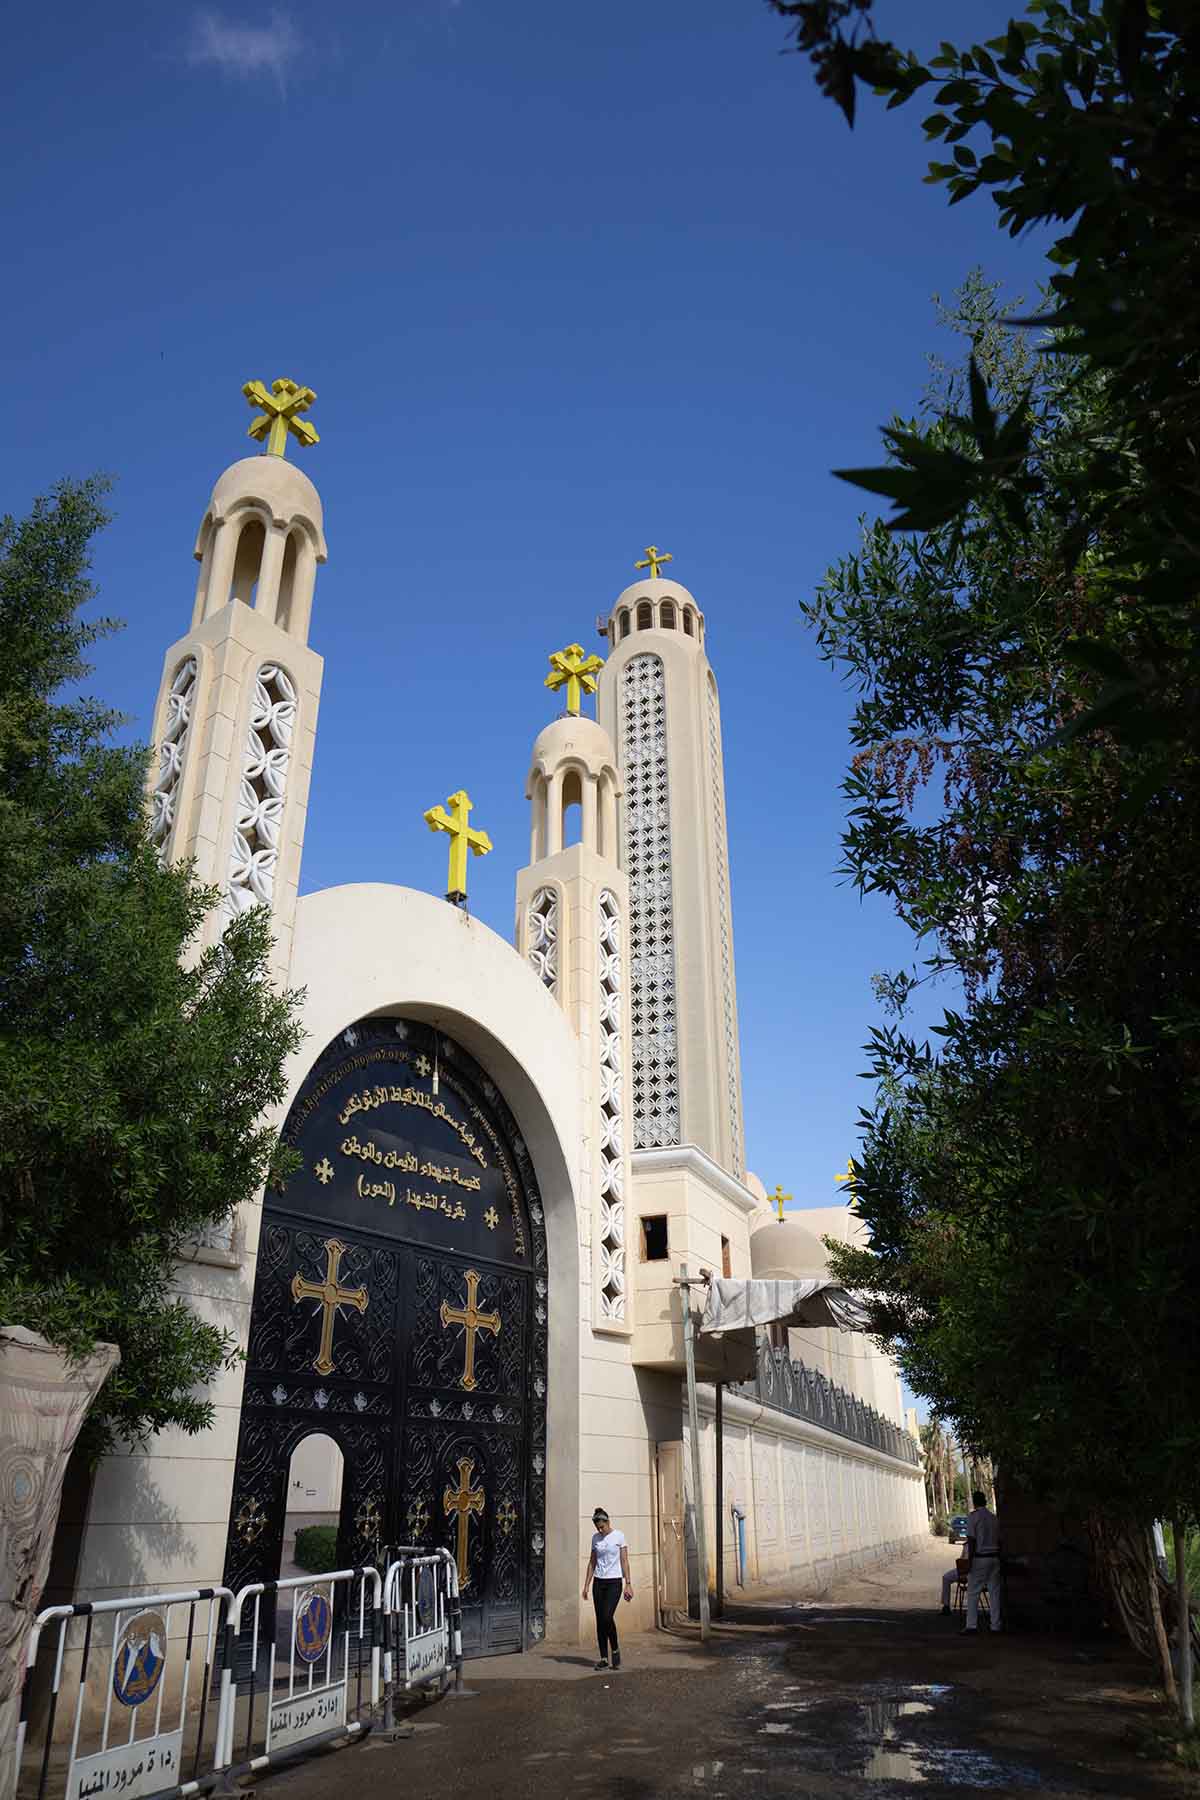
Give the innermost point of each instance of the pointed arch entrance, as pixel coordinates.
(400, 1307)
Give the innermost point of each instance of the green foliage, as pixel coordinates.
(317, 1548)
(134, 1070)
(939, 1525)
(1084, 118)
(1028, 1186)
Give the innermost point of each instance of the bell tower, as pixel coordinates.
(658, 700)
(572, 921)
(236, 716)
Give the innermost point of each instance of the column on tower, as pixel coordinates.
(658, 699)
(572, 913)
(235, 721)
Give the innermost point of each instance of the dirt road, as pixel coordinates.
(868, 1694)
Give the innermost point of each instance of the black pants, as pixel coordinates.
(606, 1597)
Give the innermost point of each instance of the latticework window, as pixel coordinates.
(172, 751)
(646, 858)
(612, 1141)
(542, 925)
(717, 783)
(255, 853)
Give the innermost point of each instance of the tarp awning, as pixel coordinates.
(736, 1305)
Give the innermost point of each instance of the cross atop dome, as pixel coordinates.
(653, 560)
(281, 409)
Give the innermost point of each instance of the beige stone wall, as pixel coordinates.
(816, 1503)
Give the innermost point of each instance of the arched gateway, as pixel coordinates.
(400, 1308)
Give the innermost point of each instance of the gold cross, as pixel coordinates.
(461, 835)
(779, 1197)
(281, 409)
(472, 1320)
(848, 1176)
(577, 671)
(331, 1297)
(468, 1500)
(653, 560)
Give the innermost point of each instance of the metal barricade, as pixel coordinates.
(310, 1704)
(422, 1622)
(146, 1667)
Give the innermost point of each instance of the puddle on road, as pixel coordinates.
(877, 1733)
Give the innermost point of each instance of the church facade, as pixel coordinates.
(465, 1294)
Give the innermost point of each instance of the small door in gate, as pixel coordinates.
(672, 1550)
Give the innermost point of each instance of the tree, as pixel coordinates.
(1027, 1187)
(1085, 118)
(134, 1073)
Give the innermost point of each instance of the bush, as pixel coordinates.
(316, 1548)
(939, 1525)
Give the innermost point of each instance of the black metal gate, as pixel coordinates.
(400, 1308)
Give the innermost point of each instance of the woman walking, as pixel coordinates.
(607, 1573)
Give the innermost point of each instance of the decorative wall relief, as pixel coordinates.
(612, 1133)
(725, 931)
(268, 751)
(646, 859)
(542, 927)
(171, 752)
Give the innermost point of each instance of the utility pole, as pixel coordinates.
(689, 1355)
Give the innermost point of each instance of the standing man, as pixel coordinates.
(607, 1570)
(983, 1564)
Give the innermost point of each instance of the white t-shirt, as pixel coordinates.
(606, 1548)
(982, 1525)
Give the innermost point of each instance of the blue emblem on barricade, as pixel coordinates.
(314, 1622)
(140, 1658)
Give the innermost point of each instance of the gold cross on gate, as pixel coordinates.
(577, 671)
(281, 409)
(848, 1176)
(778, 1197)
(466, 1501)
(472, 1320)
(331, 1297)
(461, 836)
(653, 560)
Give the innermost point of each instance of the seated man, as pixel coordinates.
(983, 1555)
(957, 1573)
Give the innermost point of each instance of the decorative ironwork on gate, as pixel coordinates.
(400, 1308)
(791, 1387)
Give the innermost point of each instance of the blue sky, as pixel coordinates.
(567, 280)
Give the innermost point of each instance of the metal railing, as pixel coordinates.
(422, 1624)
(301, 1624)
(165, 1702)
(788, 1385)
(131, 1752)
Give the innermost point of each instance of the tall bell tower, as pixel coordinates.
(236, 716)
(572, 926)
(658, 701)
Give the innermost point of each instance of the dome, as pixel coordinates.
(786, 1251)
(581, 741)
(273, 485)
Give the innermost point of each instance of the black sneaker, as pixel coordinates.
(616, 1661)
(602, 1664)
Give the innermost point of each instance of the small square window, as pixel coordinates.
(654, 1239)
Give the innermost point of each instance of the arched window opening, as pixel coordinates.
(625, 622)
(667, 618)
(645, 615)
(572, 805)
(287, 581)
(314, 1497)
(689, 629)
(248, 561)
